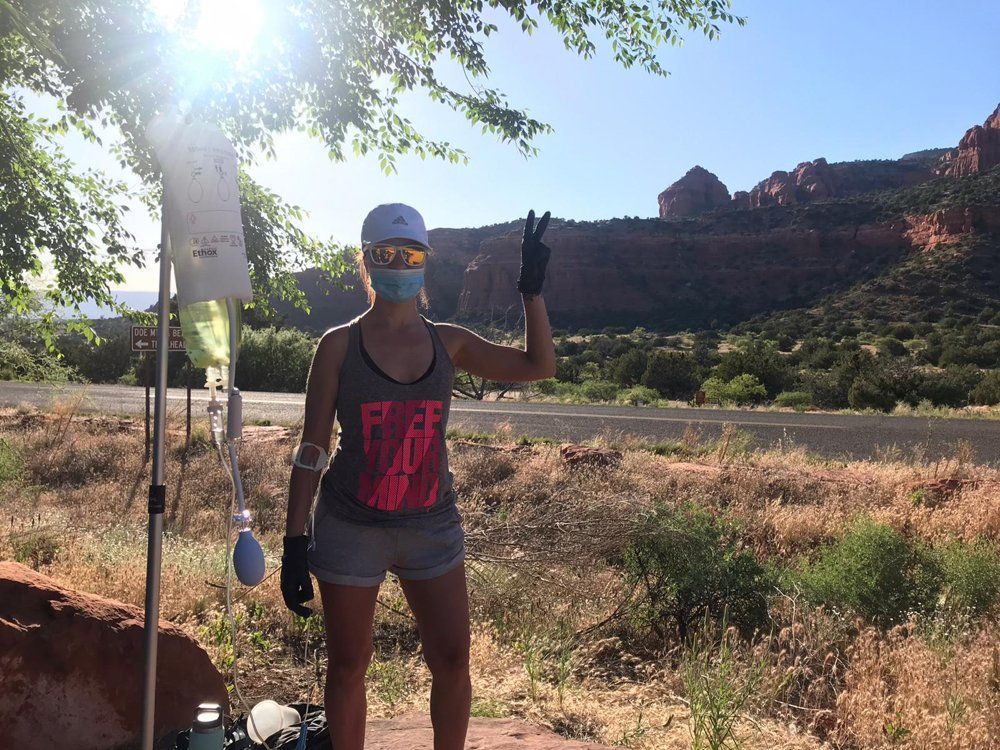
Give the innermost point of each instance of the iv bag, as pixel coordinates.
(202, 209)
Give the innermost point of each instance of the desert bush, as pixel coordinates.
(987, 392)
(868, 392)
(795, 399)
(743, 389)
(970, 576)
(720, 688)
(627, 370)
(638, 395)
(11, 462)
(273, 359)
(546, 387)
(37, 548)
(948, 387)
(892, 347)
(106, 362)
(759, 358)
(598, 390)
(873, 571)
(672, 374)
(19, 363)
(714, 573)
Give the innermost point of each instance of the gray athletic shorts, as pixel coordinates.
(353, 554)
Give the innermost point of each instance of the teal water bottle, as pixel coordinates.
(207, 732)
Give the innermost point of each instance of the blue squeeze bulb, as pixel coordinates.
(248, 559)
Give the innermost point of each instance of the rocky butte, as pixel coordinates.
(978, 151)
(696, 192)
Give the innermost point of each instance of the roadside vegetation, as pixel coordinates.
(851, 604)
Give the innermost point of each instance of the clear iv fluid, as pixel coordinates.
(205, 326)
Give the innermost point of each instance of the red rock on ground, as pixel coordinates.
(71, 668)
(587, 455)
(978, 151)
(696, 192)
(414, 733)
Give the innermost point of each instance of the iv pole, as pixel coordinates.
(157, 491)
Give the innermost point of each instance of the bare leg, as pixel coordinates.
(441, 606)
(349, 612)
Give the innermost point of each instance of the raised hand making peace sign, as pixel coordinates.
(534, 255)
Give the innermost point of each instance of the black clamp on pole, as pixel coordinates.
(157, 499)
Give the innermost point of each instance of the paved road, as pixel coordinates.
(831, 435)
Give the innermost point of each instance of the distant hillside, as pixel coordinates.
(952, 272)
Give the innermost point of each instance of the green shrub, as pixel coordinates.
(546, 387)
(638, 396)
(11, 463)
(874, 571)
(892, 347)
(106, 362)
(743, 389)
(598, 390)
(759, 358)
(627, 370)
(798, 400)
(987, 392)
(19, 363)
(948, 387)
(672, 374)
(687, 564)
(274, 359)
(869, 392)
(36, 548)
(970, 576)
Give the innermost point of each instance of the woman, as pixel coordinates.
(386, 501)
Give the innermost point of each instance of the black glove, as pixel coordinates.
(534, 255)
(296, 585)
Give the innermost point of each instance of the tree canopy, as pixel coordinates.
(331, 68)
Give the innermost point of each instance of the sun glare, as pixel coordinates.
(229, 26)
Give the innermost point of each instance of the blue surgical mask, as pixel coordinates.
(397, 284)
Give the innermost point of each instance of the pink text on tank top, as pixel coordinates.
(402, 444)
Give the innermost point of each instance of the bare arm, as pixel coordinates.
(320, 410)
(483, 358)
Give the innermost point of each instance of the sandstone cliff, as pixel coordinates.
(978, 151)
(685, 273)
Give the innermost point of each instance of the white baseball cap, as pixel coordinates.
(390, 220)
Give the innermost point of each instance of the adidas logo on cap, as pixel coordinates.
(400, 220)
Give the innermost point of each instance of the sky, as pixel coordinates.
(842, 80)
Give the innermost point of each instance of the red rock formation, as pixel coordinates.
(665, 270)
(414, 733)
(695, 193)
(819, 180)
(71, 668)
(978, 151)
(950, 225)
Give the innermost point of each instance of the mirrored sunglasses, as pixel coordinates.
(382, 255)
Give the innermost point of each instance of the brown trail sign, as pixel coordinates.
(144, 339)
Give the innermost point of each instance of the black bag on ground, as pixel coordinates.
(236, 738)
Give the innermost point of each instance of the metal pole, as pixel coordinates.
(157, 493)
(145, 377)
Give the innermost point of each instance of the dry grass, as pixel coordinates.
(550, 642)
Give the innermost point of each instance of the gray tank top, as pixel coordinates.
(391, 464)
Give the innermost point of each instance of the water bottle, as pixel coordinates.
(207, 731)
